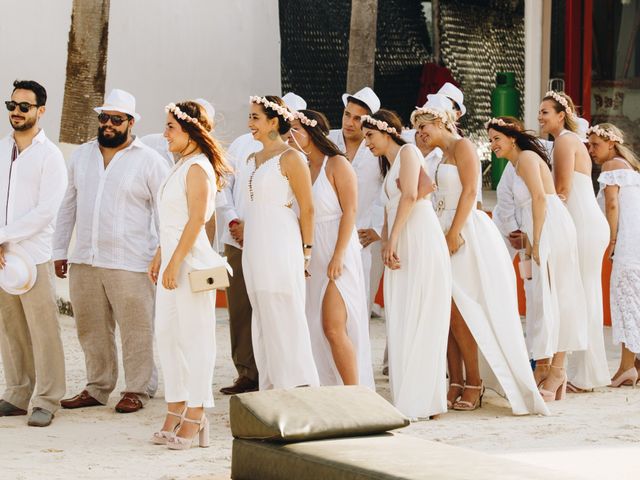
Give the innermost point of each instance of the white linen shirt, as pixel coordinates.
(235, 190)
(370, 212)
(506, 214)
(31, 191)
(113, 209)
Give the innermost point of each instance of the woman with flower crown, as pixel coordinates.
(556, 313)
(277, 250)
(485, 315)
(417, 278)
(619, 197)
(337, 310)
(572, 176)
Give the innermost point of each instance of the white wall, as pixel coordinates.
(159, 50)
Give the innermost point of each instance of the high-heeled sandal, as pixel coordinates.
(540, 367)
(559, 393)
(449, 402)
(466, 406)
(180, 443)
(628, 378)
(163, 436)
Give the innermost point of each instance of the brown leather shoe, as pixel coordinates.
(10, 410)
(129, 403)
(241, 385)
(83, 399)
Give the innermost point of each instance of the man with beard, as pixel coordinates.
(33, 180)
(111, 201)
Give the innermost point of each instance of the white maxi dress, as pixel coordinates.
(484, 290)
(273, 265)
(351, 285)
(625, 274)
(557, 314)
(588, 369)
(185, 322)
(417, 299)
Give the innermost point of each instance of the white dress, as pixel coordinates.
(185, 321)
(351, 285)
(273, 265)
(625, 275)
(484, 290)
(557, 316)
(417, 300)
(588, 369)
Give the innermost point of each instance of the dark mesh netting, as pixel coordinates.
(315, 48)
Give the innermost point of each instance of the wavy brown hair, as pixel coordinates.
(524, 140)
(569, 120)
(199, 133)
(319, 133)
(394, 121)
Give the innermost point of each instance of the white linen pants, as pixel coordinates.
(186, 336)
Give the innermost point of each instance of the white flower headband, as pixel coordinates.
(601, 132)
(179, 114)
(379, 124)
(279, 109)
(305, 120)
(497, 121)
(438, 114)
(562, 101)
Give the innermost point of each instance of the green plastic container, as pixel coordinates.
(505, 100)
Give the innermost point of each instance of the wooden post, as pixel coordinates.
(362, 44)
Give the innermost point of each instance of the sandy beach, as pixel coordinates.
(591, 436)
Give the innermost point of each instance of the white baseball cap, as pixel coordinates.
(294, 102)
(120, 101)
(366, 96)
(583, 126)
(452, 92)
(211, 111)
(19, 273)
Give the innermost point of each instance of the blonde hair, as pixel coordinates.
(418, 117)
(570, 115)
(621, 149)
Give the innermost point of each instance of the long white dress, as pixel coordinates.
(588, 369)
(484, 290)
(351, 285)
(557, 316)
(273, 265)
(185, 324)
(625, 274)
(417, 300)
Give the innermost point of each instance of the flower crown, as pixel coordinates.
(601, 132)
(438, 114)
(279, 109)
(305, 120)
(379, 124)
(562, 101)
(497, 121)
(179, 114)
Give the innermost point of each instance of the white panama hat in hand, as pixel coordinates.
(294, 102)
(366, 96)
(119, 101)
(19, 273)
(452, 92)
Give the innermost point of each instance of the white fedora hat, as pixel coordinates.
(19, 273)
(294, 102)
(437, 101)
(366, 96)
(211, 111)
(452, 92)
(583, 126)
(120, 101)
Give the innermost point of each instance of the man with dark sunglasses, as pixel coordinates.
(111, 201)
(33, 179)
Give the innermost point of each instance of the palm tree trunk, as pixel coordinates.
(362, 44)
(86, 70)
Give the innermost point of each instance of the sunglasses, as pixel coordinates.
(24, 106)
(116, 120)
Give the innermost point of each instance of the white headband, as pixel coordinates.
(279, 109)
(601, 132)
(379, 124)
(305, 120)
(496, 121)
(179, 114)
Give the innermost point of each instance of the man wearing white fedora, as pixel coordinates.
(111, 201)
(370, 214)
(231, 216)
(33, 179)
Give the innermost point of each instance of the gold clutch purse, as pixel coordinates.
(209, 279)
